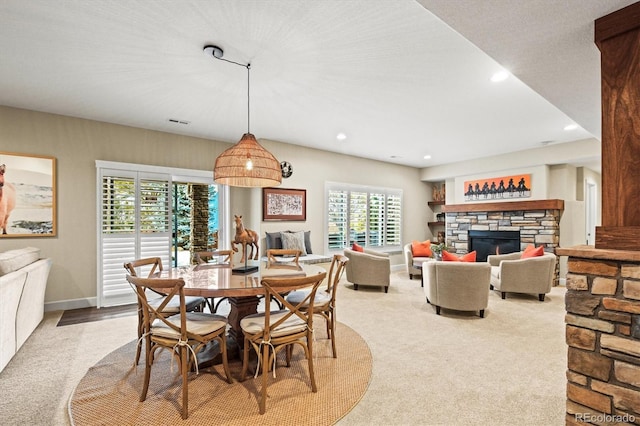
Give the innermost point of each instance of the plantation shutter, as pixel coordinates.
(135, 218)
(393, 220)
(376, 219)
(371, 217)
(358, 218)
(337, 219)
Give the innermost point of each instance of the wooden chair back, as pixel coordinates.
(170, 287)
(272, 253)
(223, 257)
(153, 264)
(336, 270)
(276, 288)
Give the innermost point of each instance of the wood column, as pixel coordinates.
(617, 35)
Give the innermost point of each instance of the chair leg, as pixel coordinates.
(490, 286)
(503, 294)
(148, 360)
(386, 289)
(541, 297)
(437, 310)
(410, 276)
(333, 335)
(245, 360)
(314, 388)
(428, 301)
(265, 376)
(481, 313)
(184, 355)
(355, 286)
(223, 353)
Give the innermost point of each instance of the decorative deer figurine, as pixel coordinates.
(245, 237)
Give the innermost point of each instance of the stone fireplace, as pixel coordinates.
(536, 221)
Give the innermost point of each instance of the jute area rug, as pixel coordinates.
(109, 394)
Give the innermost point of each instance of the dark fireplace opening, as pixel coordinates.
(493, 242)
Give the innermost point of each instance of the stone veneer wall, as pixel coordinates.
(539, 227)
(603, 338)
(199, 195)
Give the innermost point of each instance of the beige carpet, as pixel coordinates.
(454, 369)
(109, 392)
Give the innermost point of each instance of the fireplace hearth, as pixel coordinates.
(493, 242)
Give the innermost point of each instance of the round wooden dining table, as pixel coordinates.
(242, 290)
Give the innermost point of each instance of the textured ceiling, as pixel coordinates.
(392, 75)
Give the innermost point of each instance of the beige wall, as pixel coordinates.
(78, 143)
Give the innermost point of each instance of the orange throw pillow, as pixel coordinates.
(419, 249)
(529, 248)
(357, 247)
(469, 257)
(532, 252)
(450, 257)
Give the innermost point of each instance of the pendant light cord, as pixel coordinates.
(248, 67)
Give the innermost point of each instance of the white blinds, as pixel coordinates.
(135, 222)
(368, 216)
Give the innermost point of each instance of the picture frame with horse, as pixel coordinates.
(27, 195)
(498, 188)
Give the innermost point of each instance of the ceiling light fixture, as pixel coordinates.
(572, 126)
(500, 76)
(427, 157)
(247, 163)
(341, 136)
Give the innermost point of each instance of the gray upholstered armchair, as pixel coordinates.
(462, 286)
(410, 260)
(370, 268)
(511, 274)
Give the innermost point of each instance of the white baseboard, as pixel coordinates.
(63, 305)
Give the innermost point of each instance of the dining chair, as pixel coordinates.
(268, 332)
(153, 265)
(220, 258)
(325, 301)
(185, 333)
(291, 255)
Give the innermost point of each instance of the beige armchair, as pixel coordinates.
(511, 274)
(463, 286)
(370, 268)
(410, 261)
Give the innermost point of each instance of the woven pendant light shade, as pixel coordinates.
(231, 166)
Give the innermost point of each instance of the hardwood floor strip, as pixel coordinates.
(78, 316)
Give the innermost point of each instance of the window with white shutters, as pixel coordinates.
(135, 219)
(337, 215)
(371, 217)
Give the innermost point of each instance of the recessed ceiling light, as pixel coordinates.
(341, 136)
(571, 127)
(427, 157)
(500, 76)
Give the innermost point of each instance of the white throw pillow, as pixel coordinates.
(293, 241)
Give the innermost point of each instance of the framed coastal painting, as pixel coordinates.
(284, 204)
(27, 195)
(498, 188)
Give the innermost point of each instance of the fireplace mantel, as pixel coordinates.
(508, 206)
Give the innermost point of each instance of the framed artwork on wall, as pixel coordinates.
(498, 188)
(284, 204)
(27, 195)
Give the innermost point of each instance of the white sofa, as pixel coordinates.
(23, 280)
